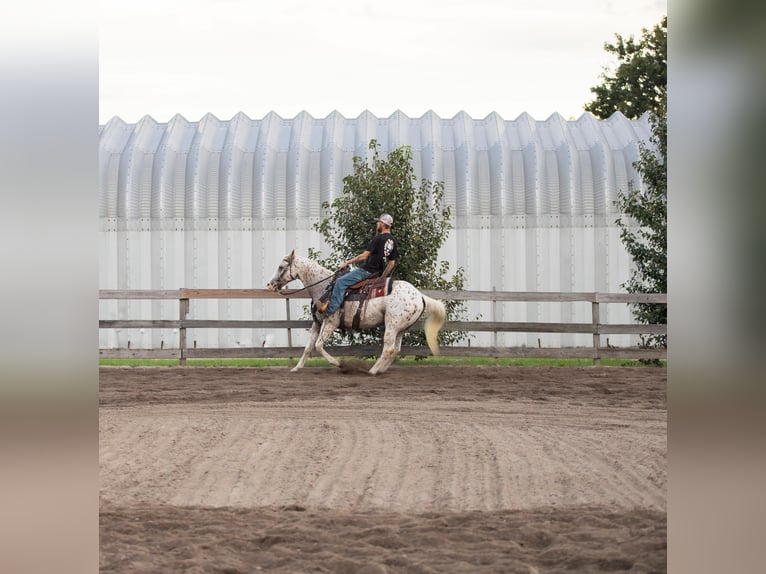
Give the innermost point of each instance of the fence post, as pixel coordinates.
(596, 335)
(289, 330)
(494, 316)
(183, 311)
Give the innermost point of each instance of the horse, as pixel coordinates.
(398, 311)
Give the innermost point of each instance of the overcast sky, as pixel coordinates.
(191, 57)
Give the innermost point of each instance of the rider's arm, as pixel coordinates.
(361, 257)
(389, 268)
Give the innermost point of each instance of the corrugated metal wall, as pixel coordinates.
(217, 203)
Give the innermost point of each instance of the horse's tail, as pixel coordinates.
(437, 314)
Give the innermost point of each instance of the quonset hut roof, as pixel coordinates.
(277, 167)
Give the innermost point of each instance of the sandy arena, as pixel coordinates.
(422, 469)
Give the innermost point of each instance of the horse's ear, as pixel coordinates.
(291, 256)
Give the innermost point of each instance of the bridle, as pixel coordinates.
(280, 279)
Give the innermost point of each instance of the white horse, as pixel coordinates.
(397, 311)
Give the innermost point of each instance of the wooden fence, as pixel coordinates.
(185, 296)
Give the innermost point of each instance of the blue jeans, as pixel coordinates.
(341, 284)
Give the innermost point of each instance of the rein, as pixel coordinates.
(304, 288)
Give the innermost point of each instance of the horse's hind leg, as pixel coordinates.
(313, 334)
(390, 342)
(399, 338)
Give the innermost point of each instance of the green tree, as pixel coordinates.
(638, 86)
(647, 240)
(639, 83)
(421, 226)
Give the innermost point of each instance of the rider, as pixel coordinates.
(379, 257)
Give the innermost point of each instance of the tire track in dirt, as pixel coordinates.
(396, 454)
(444, 468)
(370, 455)
(625, 467)
(495, 475)
(471, 478)
(202, 481)
(337, 473)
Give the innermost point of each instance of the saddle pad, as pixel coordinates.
(379, 287)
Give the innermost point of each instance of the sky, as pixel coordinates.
(193, 57)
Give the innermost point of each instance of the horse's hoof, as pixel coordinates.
(294, 370)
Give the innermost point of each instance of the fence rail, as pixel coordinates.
(185, 296)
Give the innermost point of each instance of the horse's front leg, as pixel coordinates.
(325, 332)
(313, 335)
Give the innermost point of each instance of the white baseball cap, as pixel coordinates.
(386, 218)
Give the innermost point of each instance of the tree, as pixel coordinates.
(421, 226)
(639, 84)
(647, 244)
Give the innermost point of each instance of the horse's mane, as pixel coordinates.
(315, 266)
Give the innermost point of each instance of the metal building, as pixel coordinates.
(217, 203)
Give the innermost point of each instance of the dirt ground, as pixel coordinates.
(421, 469)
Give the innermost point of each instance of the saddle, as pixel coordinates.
(369, 288)
(366, 289)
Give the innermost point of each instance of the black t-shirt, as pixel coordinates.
(382, 249)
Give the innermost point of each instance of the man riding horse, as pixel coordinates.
(397, 309)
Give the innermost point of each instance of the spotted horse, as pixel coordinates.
(398, 311)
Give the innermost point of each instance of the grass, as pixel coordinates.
(320, 362)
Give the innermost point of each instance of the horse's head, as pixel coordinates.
(285, 273)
